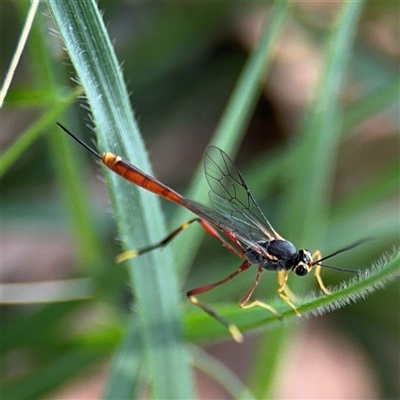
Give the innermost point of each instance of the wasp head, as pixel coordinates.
(303, 263)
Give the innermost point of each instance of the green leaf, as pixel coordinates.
(138, 214)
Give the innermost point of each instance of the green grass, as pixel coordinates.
(149, 346)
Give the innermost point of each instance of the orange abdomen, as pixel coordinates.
(139, 178)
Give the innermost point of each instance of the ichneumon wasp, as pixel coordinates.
(239, 218)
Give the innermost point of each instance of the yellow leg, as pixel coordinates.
(258, 303)
(284, 296)
(289, 293)
(282, 291)
(317, 273)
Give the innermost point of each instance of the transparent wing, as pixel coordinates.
(224, 223)
(232, 199)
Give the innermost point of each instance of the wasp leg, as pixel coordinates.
(206, 226)
(284, 296)
(317, 273)
(289, 293)
(135, 253)
(191, 295)
(257, 303)
(232, 328)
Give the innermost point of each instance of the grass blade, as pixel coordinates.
(137, 213)
(16, 150)
(221, 374)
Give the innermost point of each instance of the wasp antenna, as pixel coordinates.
(343, 250)
(339, 269)
(81, 142)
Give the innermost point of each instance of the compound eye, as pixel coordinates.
(300, 270)
(306, 256)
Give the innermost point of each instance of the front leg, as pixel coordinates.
(317, 273)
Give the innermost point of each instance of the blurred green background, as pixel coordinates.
(181, 61)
